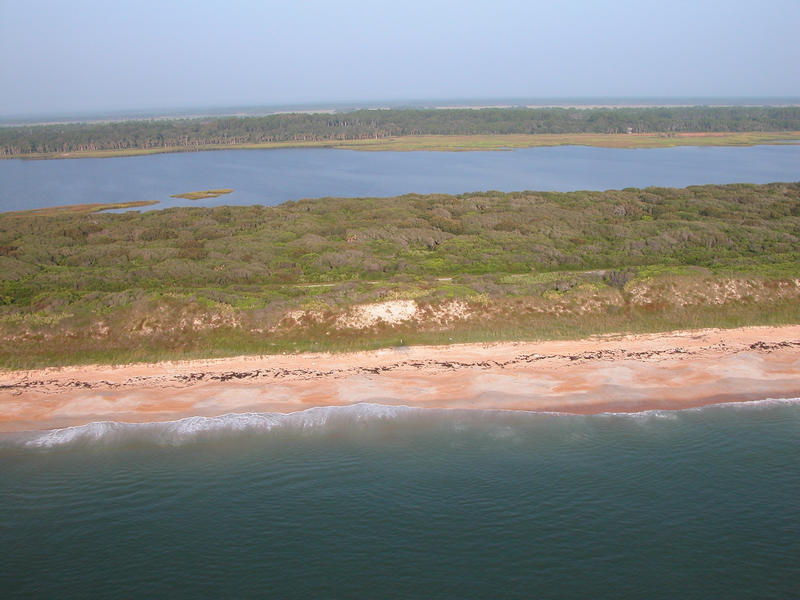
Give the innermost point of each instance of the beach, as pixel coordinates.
(622, 373)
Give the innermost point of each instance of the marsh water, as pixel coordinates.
(270, 177)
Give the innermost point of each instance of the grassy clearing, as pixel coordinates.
(459, 143)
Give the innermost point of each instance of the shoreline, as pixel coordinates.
(610, 373)
(462, 143)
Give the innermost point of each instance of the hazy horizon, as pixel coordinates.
(200, 111)
(90, 56)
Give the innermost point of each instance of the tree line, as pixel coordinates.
(377, 124)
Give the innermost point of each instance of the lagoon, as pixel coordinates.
(270, 177)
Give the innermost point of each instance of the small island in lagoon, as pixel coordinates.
(202, 195)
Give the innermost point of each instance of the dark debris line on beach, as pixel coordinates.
(307, 374)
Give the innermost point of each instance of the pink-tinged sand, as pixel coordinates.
(600, 374)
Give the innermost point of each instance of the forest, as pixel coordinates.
(21, 141)
(81, 286)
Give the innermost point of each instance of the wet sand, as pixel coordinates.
(600, 374)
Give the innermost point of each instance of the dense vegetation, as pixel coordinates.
(380, 124)
(527, 264)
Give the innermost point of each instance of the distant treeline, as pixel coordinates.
(376, 124)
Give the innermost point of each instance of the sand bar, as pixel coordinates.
(600, 374)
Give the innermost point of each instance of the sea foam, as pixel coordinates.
(187, 430)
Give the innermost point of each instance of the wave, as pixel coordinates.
(732, 406)
(187, 430)
(181, 431)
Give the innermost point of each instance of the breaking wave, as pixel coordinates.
(362, 415)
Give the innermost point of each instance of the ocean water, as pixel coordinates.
(270, 177)
(371, 501)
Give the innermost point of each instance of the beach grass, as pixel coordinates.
(228, 342)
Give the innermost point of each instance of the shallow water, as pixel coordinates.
(376, 501)
(270, 177)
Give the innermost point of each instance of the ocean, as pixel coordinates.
(371, 501)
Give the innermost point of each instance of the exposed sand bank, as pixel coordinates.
(601, 374)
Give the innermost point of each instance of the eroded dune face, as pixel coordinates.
(395, 312)
(601, 374)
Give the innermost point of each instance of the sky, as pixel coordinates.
(66, 56)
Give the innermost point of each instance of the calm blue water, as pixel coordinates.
(270, 177)
(376, 502)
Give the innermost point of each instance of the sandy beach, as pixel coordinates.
(600, 374)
